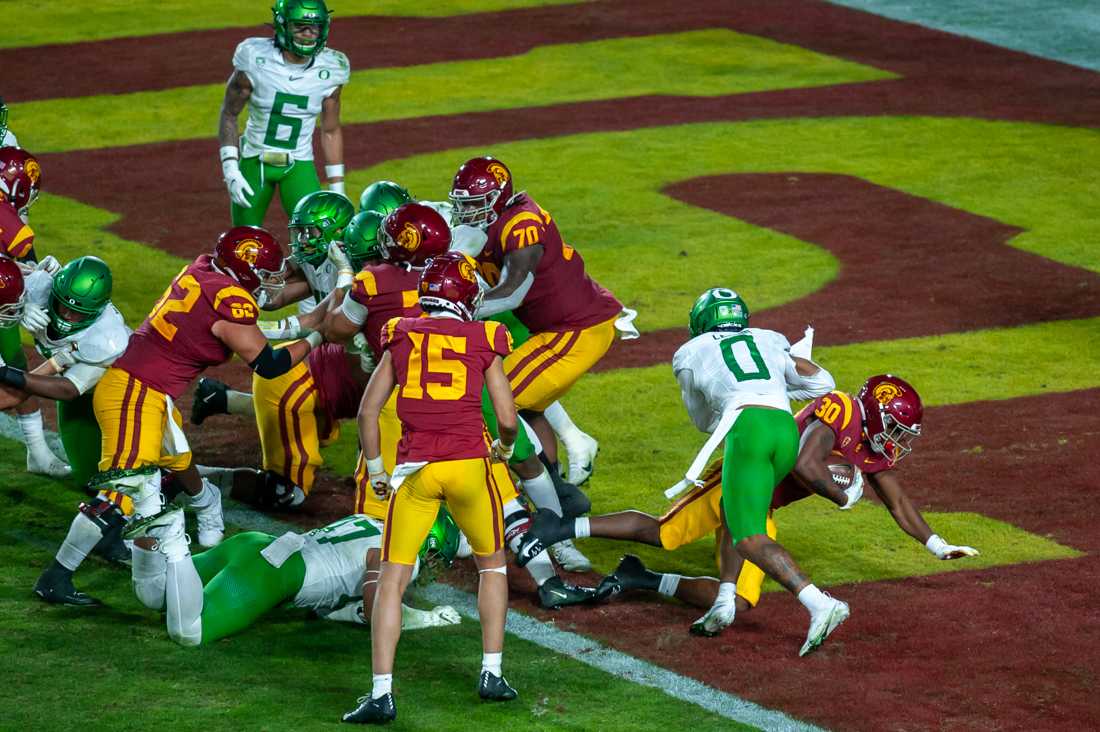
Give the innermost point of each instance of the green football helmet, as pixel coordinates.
(288, 12)
(384, 196)
(81, 292)
(318, 220)
(719, 308)
(439, 549)
(361, 238)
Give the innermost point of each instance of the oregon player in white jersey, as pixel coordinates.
(736, 383)
(287, 83)
(7, 137)
(226, 589)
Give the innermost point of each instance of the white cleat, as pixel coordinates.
(718, 618)
(44, 462)
(166, 527)
(581, 453)
(823, 623)
(211, 524)
(569, 557)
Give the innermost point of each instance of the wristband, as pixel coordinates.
(314, 339)
(13, 377)
(333, 171)
(935, 544)
(228, 152)
(375, 465)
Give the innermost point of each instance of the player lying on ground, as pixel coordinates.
(443, 458)
(871, 432)
(226, 589)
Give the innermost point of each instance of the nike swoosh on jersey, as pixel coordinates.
(296, 78)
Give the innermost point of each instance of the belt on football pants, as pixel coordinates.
(278, 159)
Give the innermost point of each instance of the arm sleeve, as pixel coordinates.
(511, 302)
(354, 311)
(84, 376)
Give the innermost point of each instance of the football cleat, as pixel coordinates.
(44, 462)
(57, 588)
(631, 574)
(581, 453)
(373, 711)
(546, 529)
(824, 623)
(717, 619)
(574, 502)
(495, 688)
(112, 548)
(166, 527)
(211, 397)
(556, 593)
(569, 557)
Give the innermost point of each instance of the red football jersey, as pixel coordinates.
(841, 413)
(16, 238)
(174, 344)
(563, 296)
(440, 367)
(339, 389)
(387, 292)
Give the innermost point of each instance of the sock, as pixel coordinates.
(381, 685)
(239, 402)
(150, 575)
(582, 528)
(33, 433)
(813, 599)
(183, 600)
(205, 498)
(541, 492)
(560, 422)
(491, 662)
(541, 568)
(83, 535)
(668, 585)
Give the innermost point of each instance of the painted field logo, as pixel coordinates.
(886, 393)
(499, 172)
(247, 251)
(34, 171)
(409, 237)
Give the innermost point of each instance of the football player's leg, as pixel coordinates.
(94, 518)
(544, 368)
(215, 397)
(40, 459)
(297, 183)
(80, 435)
(263, 188)
(580, 448)
(287, 425)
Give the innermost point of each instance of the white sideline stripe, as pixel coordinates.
(575, 646)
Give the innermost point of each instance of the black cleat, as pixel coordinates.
(210, 398)
(631, 574)
(574, 503)
(495, 688)
(556, 593)
(546, 529)
(112, 548)
(373, 711)
(57, 588)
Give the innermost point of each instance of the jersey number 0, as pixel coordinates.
(743, 358)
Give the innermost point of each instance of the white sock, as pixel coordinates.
(205, 498)
(813, 599)
(183, 600)
(83, 535)
(33, 433)
(239, 402)
(150, 576)
(541, 492)
(381, 685)
(669, 583)
(541, 568)
(491, 662)
(561, 423)
(582, 528)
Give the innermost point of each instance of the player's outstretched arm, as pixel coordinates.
(910, 520)
(40, 382)
(248, 342)
(504, 405)
(516, 278)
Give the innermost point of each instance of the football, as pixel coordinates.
(842, 471)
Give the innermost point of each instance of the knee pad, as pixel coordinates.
(276, 492)
(516, 522)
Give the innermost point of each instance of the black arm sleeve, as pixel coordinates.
(271, 363)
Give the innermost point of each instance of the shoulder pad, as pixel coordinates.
(104, 340)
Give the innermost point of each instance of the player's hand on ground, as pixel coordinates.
(501, 453)
(380, 484)
(943, 550)
(239, 190)
(35, 318)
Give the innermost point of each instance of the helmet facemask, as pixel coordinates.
(271, 283)
(292, 14)
(473, 210)
(308, 244)
(895, 440)
(62, 310)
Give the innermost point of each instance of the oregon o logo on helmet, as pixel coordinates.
(248, 251)
(886, 393)
(499, 172)
(409, 237)
(34, 171)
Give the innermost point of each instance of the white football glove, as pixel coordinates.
(49, 265)
(35, 318)
(345, 274)
(855, 490)
(239, 190)
(501, 453)
(943, 550)
(366, 358)
(721, 613)
(280, 330)
(62, 360)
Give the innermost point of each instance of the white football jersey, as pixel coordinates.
(322, 281)
(336, 559)
(723, 370)
(286, 98)
(95, 348)
(9, 139)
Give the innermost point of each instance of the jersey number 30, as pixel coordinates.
(743, 358)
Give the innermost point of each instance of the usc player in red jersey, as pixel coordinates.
(439, 365)
(534, 273)
(872, 431)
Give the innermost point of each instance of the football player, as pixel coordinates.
(226, 589)
(287, 83)
(7, 137)
(20, 181)
(533, 272)
(439, 365)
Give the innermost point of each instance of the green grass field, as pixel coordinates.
(654, 252)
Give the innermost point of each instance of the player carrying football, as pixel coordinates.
(438, 365)
(287, 83)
